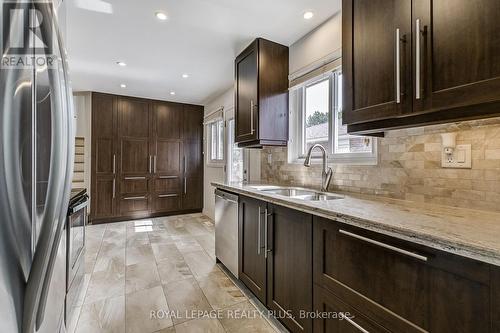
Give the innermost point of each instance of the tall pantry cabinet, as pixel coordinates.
(146, 158)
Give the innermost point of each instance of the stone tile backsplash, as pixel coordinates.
(409, 167)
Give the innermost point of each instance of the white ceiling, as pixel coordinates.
(200, 38)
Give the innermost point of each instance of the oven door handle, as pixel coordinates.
(80, 206)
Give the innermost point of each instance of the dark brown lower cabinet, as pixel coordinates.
(289, 266)
(318, 275)
(338, 317)
(252, 260)
(402, 286)
(276, 260)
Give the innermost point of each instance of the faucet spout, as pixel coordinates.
(327, 171)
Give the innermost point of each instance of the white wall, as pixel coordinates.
(83, 111)
(216, 173)
(317, 45)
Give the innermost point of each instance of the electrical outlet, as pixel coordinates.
(461, 158)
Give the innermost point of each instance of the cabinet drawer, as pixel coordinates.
(134, 204)
(170, 202)
(403, 286)
(134, 184)
(338, 317)
(167, 183)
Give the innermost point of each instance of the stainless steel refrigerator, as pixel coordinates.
(36, 161)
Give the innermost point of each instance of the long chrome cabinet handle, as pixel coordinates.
(185, 185)
(417, 59)
(259, 241)
(265, 233)
(352, 322)
(150, 160)
(252, 130)
(167, 195)
(185, 165)
(114, 188)
(114, 164)
(135, 198)
(168, 177)
(135, 178)
(154, 164)
(385, 246)
(398, 66)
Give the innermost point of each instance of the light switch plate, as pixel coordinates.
(460, 159)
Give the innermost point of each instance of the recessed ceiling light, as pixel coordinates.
(308, 15)
(121, 63)
(161, 16)
(185, 76)
(172, 93)
(123, 85)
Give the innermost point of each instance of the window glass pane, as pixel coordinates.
(345, 143)
(220, 144)
(213, 141)
(316, 114)
(235, 160)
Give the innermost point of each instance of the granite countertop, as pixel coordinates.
(466, 232)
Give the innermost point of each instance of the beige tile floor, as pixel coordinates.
(166, 265)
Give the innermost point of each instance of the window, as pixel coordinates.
(236, 168)
(316, 117)
(216, 142)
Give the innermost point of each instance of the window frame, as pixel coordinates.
(220, 140)
(296, 147)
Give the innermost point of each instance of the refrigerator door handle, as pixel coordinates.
(57, 201)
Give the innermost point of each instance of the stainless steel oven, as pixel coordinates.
(75, 268)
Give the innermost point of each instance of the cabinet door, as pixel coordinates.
(376, 59)
(167, 159)
(289, 266)
(136, 160)
(246, 100)
(457, 50)
(103, 168)
(192, 161)
(252, 260)
(339, 317)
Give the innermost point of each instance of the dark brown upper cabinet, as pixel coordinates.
(261, 89)
(409, 63)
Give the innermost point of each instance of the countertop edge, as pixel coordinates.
(463, 249)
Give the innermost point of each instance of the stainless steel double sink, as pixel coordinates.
(298, 193)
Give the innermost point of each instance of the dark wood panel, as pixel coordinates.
(246, 90)
(168, 185)
(289, 267)
(168, 120)
(167, 202)
(133, 118)
(103, 187)
(193, 159)
(104, 151)
(335, 312)
(103, 203)
(192, 123)
(134, 205)
(192, 197)
(495, 298)
(252, 262)
(168, 158)
(135, 157)
(370, 44)
(457, 303)
(134, 185)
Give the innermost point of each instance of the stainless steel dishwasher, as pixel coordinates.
(226, 229)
